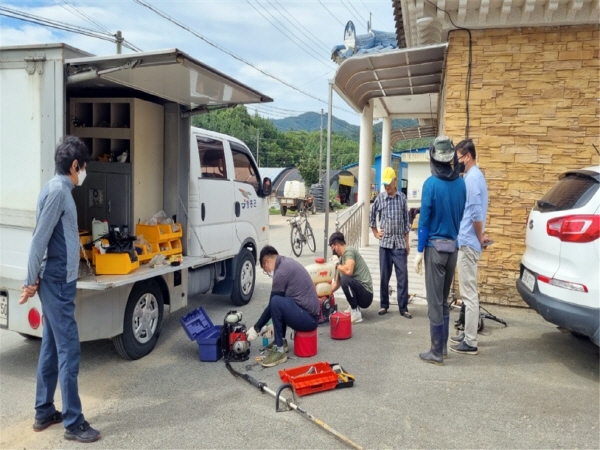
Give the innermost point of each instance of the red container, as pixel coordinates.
(311, 378)
(341, 325)
(305, 343)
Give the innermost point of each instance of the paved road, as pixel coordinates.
(530, 387)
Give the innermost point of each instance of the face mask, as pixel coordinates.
(80, 177)
(461, 167)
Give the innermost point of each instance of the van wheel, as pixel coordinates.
(142, 321)
(283, 210)
(245, 276)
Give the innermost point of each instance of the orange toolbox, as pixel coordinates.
(310, 378)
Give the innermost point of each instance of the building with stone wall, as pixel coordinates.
(534, 113)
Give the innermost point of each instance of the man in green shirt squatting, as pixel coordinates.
(352, 275)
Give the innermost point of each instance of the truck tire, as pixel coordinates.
(244, 280)
(283, 210)
(142, 321)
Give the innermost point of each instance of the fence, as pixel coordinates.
(349, 223)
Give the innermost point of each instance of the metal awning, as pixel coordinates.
(168, 74)
(402, 134)
(400, 83)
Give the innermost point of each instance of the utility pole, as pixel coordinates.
(120, 40)
(257, 144)
(321, 148)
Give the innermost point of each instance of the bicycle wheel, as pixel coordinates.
(296, 240)
(310, 238)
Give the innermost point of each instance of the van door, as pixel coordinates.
(211, 198)
(251, 211)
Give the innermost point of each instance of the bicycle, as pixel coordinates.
(299, 236)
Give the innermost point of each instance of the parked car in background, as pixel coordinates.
(560, 268)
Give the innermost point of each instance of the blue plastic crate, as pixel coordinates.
(196, 322)
(200, 328)
(209, 343)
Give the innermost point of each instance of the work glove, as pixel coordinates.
(251, 334)
(419, 263)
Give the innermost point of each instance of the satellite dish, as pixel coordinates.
(350, 36)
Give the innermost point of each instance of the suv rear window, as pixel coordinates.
(572, 191)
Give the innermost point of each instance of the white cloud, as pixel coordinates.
(233, 25)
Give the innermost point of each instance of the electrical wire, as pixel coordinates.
(358, 20)
(91, 20)
(224, 50)
(311, 53)
(350, 3)
(25, 17)
(333, 15)
(311, 36)
(468, 82)
(83, 15)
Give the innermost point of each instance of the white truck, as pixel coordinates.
(133, 112)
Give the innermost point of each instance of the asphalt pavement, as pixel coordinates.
(529, 387)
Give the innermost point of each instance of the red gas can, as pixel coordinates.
(341, 325)
(305, 343)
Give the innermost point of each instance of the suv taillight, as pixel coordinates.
(578, 228)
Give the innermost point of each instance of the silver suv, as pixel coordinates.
(560, 268)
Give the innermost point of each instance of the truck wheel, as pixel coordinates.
(283, 210)
(245, 276)
(142, 322)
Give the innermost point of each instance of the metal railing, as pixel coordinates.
(349, 223)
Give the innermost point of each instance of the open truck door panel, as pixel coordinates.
(136, 109)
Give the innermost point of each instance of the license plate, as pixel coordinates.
(3, 310)
(528, 279)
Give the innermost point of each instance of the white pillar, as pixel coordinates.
(386, 148)
(364, 169)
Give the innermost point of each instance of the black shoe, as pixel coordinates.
(82, 433)
(41, 425)
(464, 348)
(382, 311)
(458, 339)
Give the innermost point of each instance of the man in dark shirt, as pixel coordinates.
(293, 302)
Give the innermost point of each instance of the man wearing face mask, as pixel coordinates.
(293, 303)
(52, 273)
(352, 275)
(471, 242)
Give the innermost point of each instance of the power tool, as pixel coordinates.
(234, 342)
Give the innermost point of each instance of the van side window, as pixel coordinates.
(212, 158)
(245, 169)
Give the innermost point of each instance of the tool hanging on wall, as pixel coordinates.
(290, 404)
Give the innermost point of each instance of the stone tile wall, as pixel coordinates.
(534, 112)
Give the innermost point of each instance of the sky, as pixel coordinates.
(291, 40)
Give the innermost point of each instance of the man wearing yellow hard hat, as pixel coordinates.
(390, 210)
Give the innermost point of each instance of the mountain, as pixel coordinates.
(311, 121)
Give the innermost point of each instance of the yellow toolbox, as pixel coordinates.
(115, 264)
(159, 233)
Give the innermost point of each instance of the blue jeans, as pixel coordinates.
(59, 355)
(286, 312)
(396, 258)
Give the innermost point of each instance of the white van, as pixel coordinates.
(133, 112)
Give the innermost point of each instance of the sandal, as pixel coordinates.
(382, 311)
(407, 315)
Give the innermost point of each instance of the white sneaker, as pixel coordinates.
(356, 316)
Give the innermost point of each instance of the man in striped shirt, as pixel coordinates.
(393, 233)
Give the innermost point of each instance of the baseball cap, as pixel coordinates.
(442, 149)
(388, 176)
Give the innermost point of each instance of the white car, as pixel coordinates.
(560, 268)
